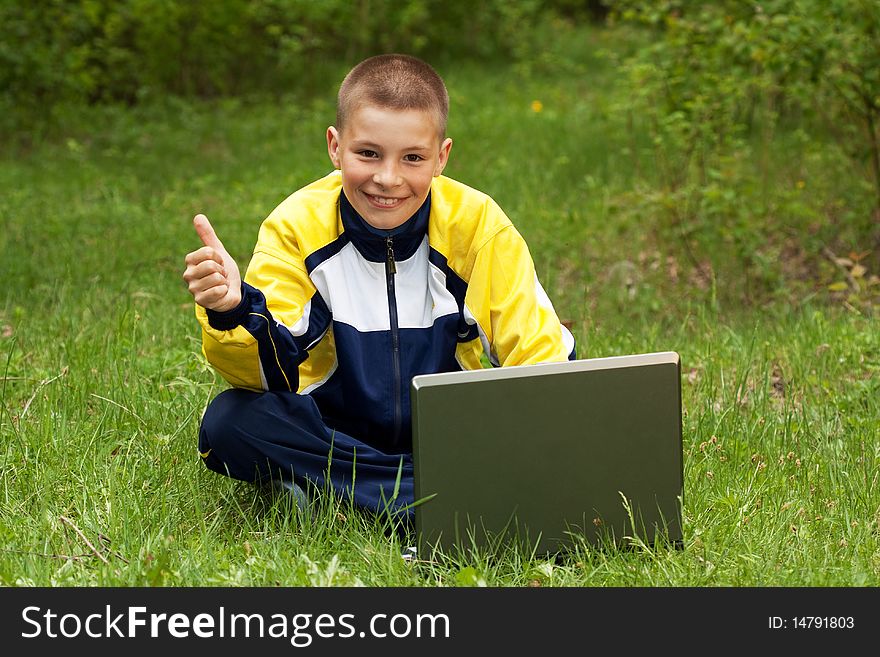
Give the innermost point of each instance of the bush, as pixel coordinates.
(724, 86)
(87, 51)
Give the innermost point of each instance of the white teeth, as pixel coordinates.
(384, 201)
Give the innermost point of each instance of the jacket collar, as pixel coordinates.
(371, 242)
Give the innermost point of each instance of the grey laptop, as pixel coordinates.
(549, 454)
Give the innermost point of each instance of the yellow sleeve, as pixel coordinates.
(272, 336)
(233, 353)
(516, 319)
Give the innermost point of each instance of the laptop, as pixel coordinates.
(551, 455)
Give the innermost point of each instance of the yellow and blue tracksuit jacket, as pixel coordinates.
(348, 314)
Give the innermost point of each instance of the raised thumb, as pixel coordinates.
(206, 232)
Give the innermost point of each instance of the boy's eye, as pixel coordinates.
(413, 157)
(368, 153)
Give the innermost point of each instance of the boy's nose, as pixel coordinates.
(387, 176)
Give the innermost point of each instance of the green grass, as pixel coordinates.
(103, 383)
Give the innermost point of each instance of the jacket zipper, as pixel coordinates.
(390, 271)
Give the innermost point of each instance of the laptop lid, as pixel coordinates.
(549, 453)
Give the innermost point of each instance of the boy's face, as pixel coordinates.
(388, 159)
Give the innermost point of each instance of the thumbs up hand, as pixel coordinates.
(211, 274)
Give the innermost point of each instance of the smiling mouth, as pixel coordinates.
(384, 201)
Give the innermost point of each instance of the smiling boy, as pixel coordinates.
(382, 270)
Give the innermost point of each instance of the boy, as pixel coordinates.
(380, 271)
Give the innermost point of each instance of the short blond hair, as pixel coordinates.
(396, 82)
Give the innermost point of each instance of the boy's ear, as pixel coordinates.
(443, 157)
(333, 146)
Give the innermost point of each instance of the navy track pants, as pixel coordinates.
(266, 436)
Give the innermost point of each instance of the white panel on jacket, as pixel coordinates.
(356, 293)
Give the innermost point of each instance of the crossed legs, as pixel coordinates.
(281, 436)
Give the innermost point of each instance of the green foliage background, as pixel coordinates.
(53, 51)
(733, 93)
